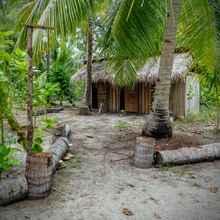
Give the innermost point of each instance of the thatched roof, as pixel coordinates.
(149, 73)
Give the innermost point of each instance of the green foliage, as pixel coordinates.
(78, 89)
(37, 141)
(44, 92)
(49, 122)
(210, 83)
(7, 160)
(8, 13)
(199, 31)
(62, 68)
(17, 76)
(37, 145)
(64, 15)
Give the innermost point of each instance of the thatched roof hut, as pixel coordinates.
(106, 93)
(148, 73)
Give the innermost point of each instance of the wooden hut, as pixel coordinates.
(112, 98)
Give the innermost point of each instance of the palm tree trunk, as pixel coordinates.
(30, 128)
(88, 91)
(158, 125)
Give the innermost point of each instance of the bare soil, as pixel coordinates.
(100, 183)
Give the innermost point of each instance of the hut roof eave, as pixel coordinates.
(148, 73)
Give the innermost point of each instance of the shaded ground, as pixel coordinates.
(99, 183)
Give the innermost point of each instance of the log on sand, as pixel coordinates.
(59, 148)
(49, 110)
(180, 156)
(13, 184)
(13, 189)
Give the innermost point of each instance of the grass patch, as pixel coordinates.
(206, 115)
(121, 125)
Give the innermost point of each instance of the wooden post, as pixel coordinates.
(30, 128)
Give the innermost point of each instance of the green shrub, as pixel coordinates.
(7, 160)
(37, 143)
(49, 123)
(77, 90)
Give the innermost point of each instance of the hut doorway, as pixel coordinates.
(122, 99)
(94, 96)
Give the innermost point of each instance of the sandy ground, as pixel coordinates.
(100, 181)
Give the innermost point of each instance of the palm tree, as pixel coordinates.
(158, 124)
(136, 30)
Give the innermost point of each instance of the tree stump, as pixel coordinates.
(39, 174)
(84, 110)
(144, 150)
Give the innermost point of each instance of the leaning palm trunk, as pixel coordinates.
(158, 124)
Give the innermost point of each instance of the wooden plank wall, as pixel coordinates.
(144, 98)
(109, 95)
(132, 99)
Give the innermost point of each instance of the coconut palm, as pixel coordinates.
(136, 29)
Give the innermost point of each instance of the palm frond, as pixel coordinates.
(134, 33)
(63, 15)
(200, 32)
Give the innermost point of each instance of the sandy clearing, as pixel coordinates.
(100, 181)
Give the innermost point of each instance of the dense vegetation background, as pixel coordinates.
(65, 59)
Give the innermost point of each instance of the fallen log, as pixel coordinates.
(61, 130)
(49, 110)
(13, 189)
(181, 156)
(59, 149)
(13, 184)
